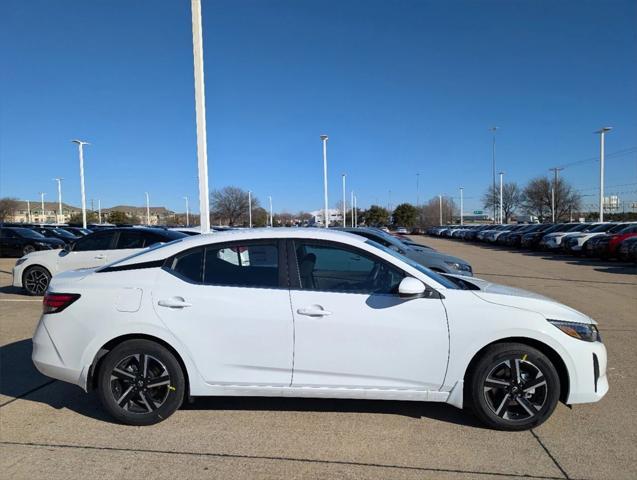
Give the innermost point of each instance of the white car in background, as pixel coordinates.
(573, 242)
(553, 241)
(33, 272)
(312, 313)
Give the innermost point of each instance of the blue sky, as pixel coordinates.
(401, 87)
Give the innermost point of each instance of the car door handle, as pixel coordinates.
(174, 302)
(314, 311)
(100, 256)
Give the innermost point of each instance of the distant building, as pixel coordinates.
(158, 215)
(335, 216)
(31, 212)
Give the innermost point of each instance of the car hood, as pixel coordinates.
(422, 255)
(525, 300)
(44, 253)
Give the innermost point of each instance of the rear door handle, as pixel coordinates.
(174, 302)
(313, 311)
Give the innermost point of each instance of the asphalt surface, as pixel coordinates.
(54, 430)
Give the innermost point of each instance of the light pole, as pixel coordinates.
(440, 203)
(352, 204)
(355, 211)
(249, 208)
(80, 146)
(187, 211)
(344, 202)
(43, 217)
(553, 189)
(99, 211)
(501, 198)
(29, 211)
(147, 209)
(60, 213)
(200, 111)
(324, 140)
(271, 215)
(493, 130)
(602, 133)
(461, 205)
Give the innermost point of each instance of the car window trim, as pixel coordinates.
(295, 276)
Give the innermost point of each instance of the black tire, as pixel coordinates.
(28, 249)
(145, 403)
(510, 406)
(35, 280)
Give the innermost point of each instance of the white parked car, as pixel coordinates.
(312, 313)
(33, 272)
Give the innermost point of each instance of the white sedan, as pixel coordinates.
(311, 313)
(33, 272)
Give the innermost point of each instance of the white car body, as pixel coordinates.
(272, 342)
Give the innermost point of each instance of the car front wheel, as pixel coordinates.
(36, 280)
(514, 387)
(140, 382)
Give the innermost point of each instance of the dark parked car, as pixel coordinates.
(19, 241)
(55, 232)
(77, 231)
(627, 250)
(514, 239)
(532, 240)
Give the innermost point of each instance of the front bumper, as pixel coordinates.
(17, 277)
(588, 380)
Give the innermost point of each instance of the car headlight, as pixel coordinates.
(20, 261)
(582, 331)
(459, 266)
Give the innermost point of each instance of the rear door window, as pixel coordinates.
(246, 264)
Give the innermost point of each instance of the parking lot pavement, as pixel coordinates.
(54, 429)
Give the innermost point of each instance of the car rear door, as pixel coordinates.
(229, 305)
(88, 252)
(352, 330)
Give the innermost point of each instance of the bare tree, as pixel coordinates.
(429, 213)
(511, 199)
(230, 205)
(8, 207)
(537, 199)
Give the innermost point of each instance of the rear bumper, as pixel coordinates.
(48, 361)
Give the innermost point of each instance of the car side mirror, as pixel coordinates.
(411, 287)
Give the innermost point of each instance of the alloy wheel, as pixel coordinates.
(515, 389)
(36, 281)
(140, 383)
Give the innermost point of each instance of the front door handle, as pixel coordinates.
(313, 311)
(100, 256)
(174, 302)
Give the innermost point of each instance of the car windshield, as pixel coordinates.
(445, 282)
(26, 233)
(604, 227)
(155, 246)
(64, 233)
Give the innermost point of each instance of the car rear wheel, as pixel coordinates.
(514, 387)
(28, 249)
(36, 280)
(140, 382)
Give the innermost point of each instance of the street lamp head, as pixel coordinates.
(493, 129)
(604, 130)
(80, 142)
(323, 137)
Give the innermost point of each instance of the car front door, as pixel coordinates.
(352, 330)
(88, 252)
(8, 243)
(229, 305)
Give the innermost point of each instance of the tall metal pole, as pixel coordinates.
(352, 204)
(200, 110)
(602, 134)
(326, 217)
(355, 211)
(344, 202)
(60, 213)
(99, 210)
(271, 214)
(147, 209)
(187, 211)
(501, 198)
(440, 202)
(461, 205)
(29, 211)
(42, 194)
(553, 190)
(493, 129)
(249, 208)
(80, 146)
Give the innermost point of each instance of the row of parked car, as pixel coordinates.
(602, 240)
(47, 250)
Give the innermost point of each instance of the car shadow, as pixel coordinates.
(19, 379)
(9, 289)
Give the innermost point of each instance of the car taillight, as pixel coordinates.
(56, 302)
